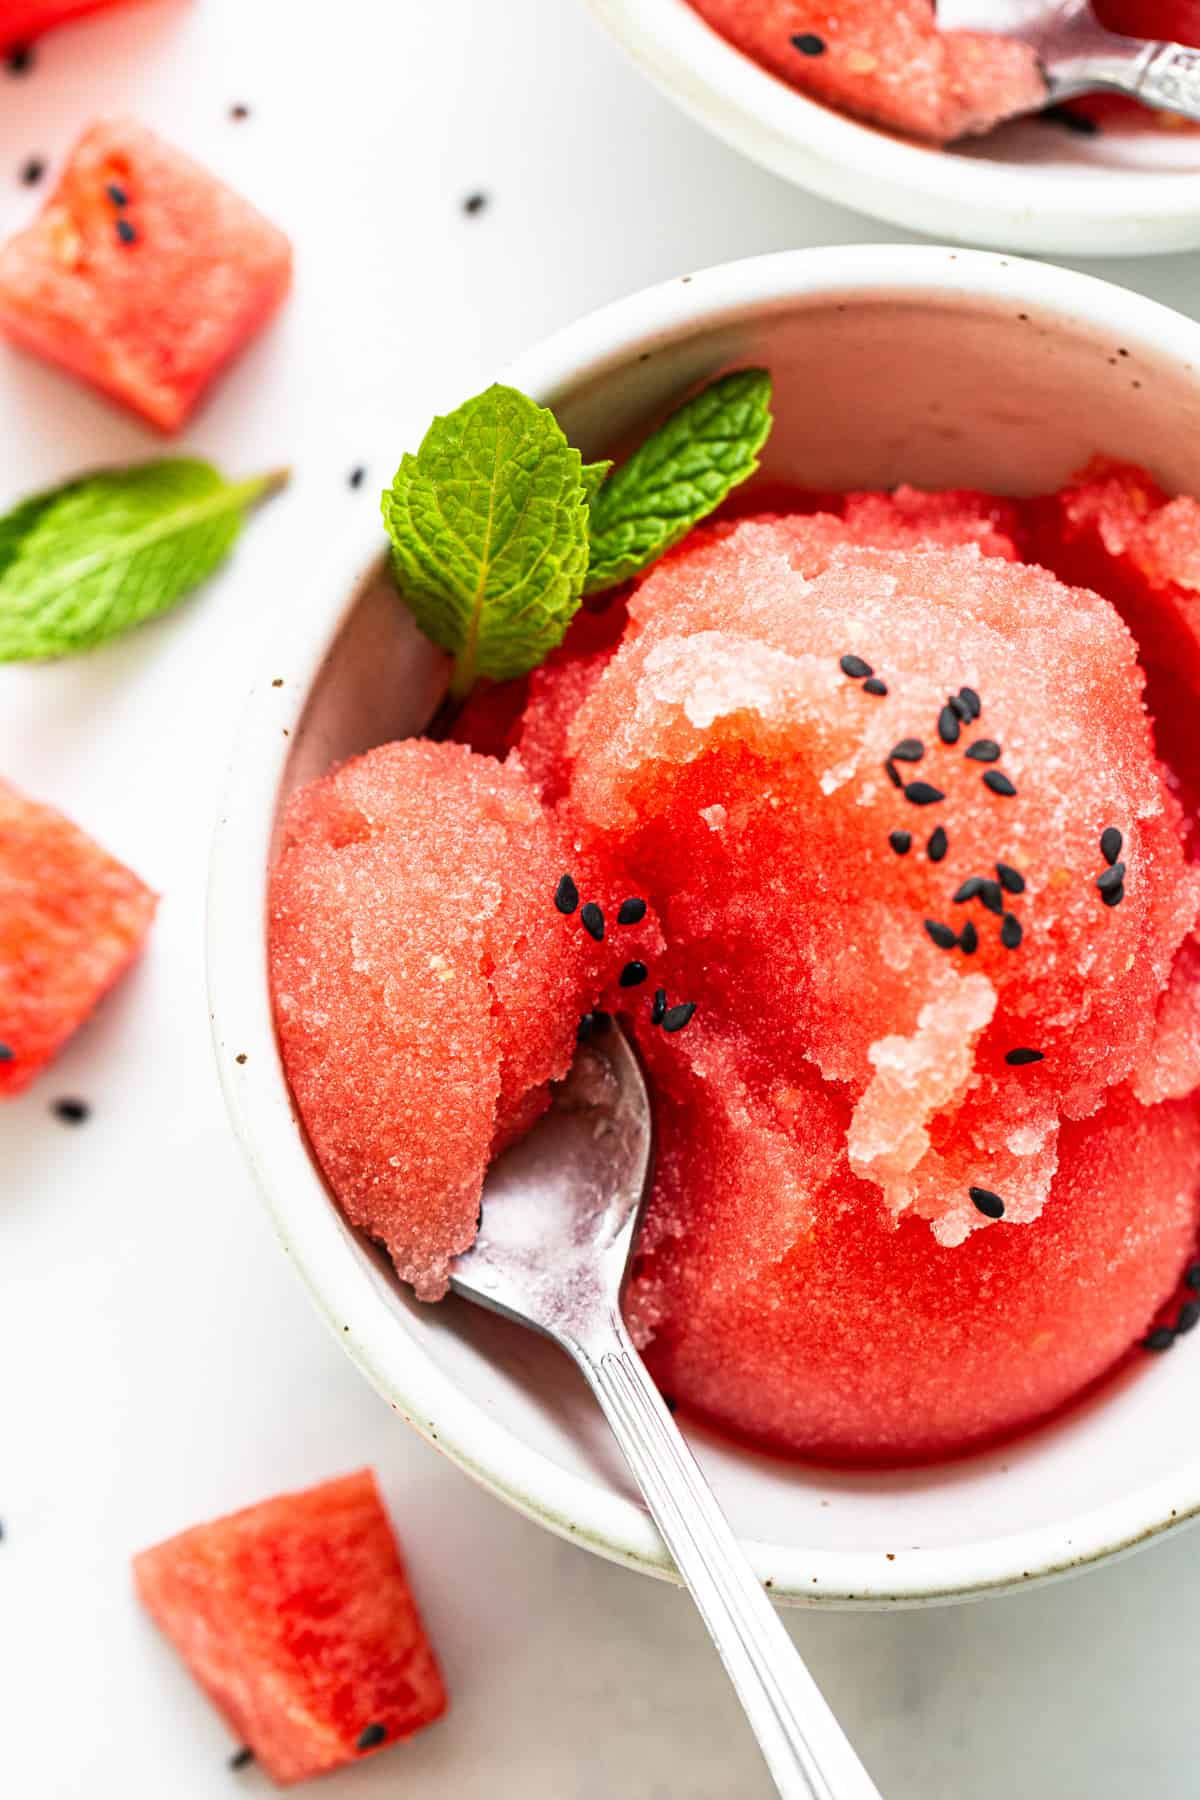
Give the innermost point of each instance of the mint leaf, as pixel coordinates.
(594, 475)
(88, 560)
(678, 476)
(489, 530)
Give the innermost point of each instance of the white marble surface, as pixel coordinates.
(158, 1361)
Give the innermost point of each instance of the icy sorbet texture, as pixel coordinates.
(927, 1149)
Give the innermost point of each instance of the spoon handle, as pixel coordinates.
(1157, 74)
(804, 1746)
(1169, 76)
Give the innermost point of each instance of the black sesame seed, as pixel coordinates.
(908, 750)
(676, 1017)
(970, 889)
(474, 203)
(999, 783)
(117, 194)
(901, 842)
(893, 773)
(1011, 880)
(970, 699)
(71, 1112)
(658, 1006)
(983, 750)
(1079, 123)
(992, 897)
(1161, 1338)
(592, 920)
(242, 1757)
(357, 475)
(1011, 931)
(32, 170)
(968, 939)
(1019, 1058)
(942, 935)
(922, 793)
(1111, 878)
(6, 1053)
(632, 975)
(239, 110)
(1110, 843)
(1188, 1317)
(601, 1021)
(370, 1737)
(948, 725)
(984, 1201)
(809, 44)
(854, 666)
(566, 895)
(19, 59)
(873, 685)
(126, 232)
(959, 708)
(1113, 896)
(1191, 1277)
(938, 844)
(631, 912)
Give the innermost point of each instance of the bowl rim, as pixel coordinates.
(357, 1309)
(1006, 205)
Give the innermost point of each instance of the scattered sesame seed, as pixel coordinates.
(809, 44)
(566, 895)
(893, 773)
(632, 975)
(592, 920)
(1161, 1338)
(32, 170)
(873, 685)
(1111, 842)
(1111, 878)
(71, 1112)
(999, 783)
(942, 935)
(126, 232)
(938, 844)
(6, 1053)
(901, 842)
(923, 793)
(357, 475)
(983, 750)
(117, 194)
(474, 203)
(968, 938)
(1011, 931)
(241, 1757)
(984, 1201)
(1113, 896)
(1188, 1317)
(1011, 880)
(908, 750)
(959, 708)
(992, 896)
(239, 110)
(1191, 1277)
(854, 666)
(970, 699)
(948, 725)
(631, 912)
(676, 1017)
(970, 889)
(370, 1737)
(19, 59)
(658, 1006)
(1018, 1059)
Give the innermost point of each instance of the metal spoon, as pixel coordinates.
(560, 1212)
(1077, 54)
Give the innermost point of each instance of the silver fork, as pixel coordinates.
(560, 1213)
(1077, 55)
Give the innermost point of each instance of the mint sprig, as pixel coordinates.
(86, 561)
(498, 527)
(678, 476)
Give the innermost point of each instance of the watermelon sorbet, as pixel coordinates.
(875, 819)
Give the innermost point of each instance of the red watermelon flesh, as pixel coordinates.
(888, 64)
(152, 317)
(21, 21)
(297, 1619)
(1175, 19)
(72, 918)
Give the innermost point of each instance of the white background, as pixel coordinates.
(158, 1361)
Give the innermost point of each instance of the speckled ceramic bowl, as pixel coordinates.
(1029, 186)
(928, 365)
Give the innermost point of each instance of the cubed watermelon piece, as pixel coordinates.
(71, 920)
(143, 274)
(21, 21)
(297, 1619)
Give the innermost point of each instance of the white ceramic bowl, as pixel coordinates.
(930, 365)
(1030, 186)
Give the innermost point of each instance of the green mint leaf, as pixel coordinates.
(594, 476)
(86, 561)
(678, 476)
(489, 530)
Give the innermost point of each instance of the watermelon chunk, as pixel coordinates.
(71, 920)
(143, 274)
(297, 1619)
(21, 21)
